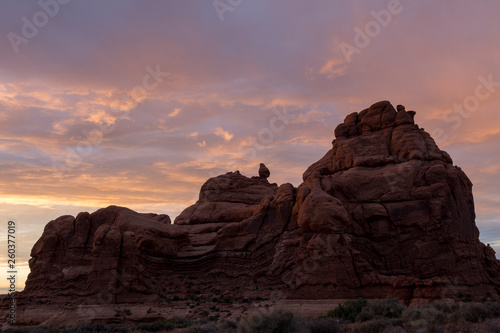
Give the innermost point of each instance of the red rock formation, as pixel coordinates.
(400, 214)
(384, 212)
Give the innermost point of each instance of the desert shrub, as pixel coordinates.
(377, 326)
(276, 321)
(389, 308)
(364, 316)
(155, 326)
(349, 310)
(474, 312)
(490, 326)
(494, 308)
(425, 318)
(229, 324)
(458, 324)
(228, 299)
(178, 322)
(321, 325)
(394, 329)
(445, 308)
(210, 327)
(120, 329)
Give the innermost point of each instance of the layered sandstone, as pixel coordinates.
(384, 213)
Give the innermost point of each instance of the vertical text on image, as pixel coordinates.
(12, 272)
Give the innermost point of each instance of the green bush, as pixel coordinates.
(349, 310)
(277, 321)
(389, 308)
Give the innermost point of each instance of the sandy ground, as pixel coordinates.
(61, 316)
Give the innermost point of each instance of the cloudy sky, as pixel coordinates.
(137, 103)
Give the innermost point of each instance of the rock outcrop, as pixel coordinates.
(383, 213)
(228, 198)
(404, 215)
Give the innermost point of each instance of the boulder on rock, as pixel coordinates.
(264, 171)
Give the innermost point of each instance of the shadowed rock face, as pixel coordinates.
(383, 213)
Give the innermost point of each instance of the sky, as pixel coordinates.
(138, 103)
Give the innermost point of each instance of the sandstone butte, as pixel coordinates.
(384, 213)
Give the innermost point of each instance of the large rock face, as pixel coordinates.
(383, 213)
(403, 213)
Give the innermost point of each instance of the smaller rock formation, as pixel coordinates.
(264, 171)
(227, 198)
